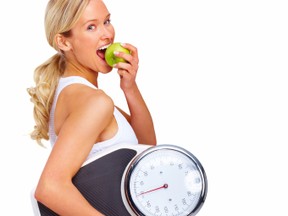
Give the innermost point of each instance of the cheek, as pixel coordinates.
(84, 45)
(83, 52)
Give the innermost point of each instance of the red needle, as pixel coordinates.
(163, 186)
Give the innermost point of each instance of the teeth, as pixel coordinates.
(104, 47)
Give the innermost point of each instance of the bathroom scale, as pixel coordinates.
(140, 180)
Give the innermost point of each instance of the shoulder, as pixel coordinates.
(88, 112)
(79, 97)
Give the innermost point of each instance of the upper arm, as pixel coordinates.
(89, 116)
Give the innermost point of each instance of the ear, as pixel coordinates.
(62, 42)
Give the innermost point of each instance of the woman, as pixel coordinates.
(78, 118)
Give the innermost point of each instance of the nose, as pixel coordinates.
(107, 32)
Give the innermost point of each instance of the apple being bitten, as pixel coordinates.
(110, 58)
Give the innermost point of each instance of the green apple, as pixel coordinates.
(110, 58)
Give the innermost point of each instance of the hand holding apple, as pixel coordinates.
(110, 58)
(127, 67)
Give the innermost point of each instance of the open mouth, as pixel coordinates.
(101, 51)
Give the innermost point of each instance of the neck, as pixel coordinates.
(76, 70)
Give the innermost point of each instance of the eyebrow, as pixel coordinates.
(93, 20)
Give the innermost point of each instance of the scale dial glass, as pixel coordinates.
(166, 180)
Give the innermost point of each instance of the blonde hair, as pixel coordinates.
(60, 17)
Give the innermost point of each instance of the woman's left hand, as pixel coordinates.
(128, 70)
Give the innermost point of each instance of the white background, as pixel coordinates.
(213, 73)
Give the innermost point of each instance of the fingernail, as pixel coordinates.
(116, 53)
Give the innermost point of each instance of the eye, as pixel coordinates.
(91, 27)
(107, 22)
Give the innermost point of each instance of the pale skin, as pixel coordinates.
(83, 115)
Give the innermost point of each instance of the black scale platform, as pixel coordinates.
(100, 183)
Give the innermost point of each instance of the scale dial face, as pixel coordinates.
(165, 180)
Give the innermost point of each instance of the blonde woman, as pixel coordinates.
(69, 110)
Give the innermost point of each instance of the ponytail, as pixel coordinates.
(46, 77)
(60, 17)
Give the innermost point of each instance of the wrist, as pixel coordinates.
(132, 90)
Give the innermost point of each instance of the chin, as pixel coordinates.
(106, 70)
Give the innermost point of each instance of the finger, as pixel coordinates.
(127, 67)
(133, 49)
(127, 57)
(123, 73)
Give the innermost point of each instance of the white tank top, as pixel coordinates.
(125, 133)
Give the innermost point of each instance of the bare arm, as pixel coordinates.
(140, 117)
(75, 140)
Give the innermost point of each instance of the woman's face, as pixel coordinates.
(90, 36)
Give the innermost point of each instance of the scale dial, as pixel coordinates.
(165, 180)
